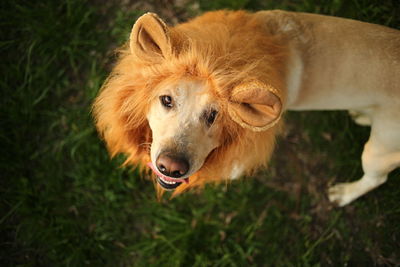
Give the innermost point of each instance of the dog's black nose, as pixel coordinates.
(172, 166)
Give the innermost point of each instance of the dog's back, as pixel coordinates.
(343, 62)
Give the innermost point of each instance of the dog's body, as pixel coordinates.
(208, 95)
(345, 64)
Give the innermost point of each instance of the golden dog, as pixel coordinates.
(202, 101)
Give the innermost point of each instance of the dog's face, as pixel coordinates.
(183, 118)
(204, 116)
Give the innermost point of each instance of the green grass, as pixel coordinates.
(65, 203)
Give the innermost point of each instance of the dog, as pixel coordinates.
(202, 101)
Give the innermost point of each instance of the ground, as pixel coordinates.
(65, 203)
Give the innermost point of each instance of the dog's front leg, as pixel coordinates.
(381, 155)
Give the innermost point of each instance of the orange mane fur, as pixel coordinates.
(221, 48)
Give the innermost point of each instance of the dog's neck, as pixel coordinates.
(293, 78)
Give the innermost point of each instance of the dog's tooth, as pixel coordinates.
(166, 181)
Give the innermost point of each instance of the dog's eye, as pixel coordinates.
(166, 101)
(210, 117)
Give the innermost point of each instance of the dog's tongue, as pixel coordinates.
(154, 169)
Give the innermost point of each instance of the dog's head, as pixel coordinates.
(190, 103)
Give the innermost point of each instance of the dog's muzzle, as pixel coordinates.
(169, 169)
(171, 165)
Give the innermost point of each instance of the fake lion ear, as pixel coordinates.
(150, 38)
(255, 106)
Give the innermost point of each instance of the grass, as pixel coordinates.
(64, 203)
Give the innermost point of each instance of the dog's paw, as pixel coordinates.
(339, 194)
(360, 118)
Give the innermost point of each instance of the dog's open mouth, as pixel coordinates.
(168, 183)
